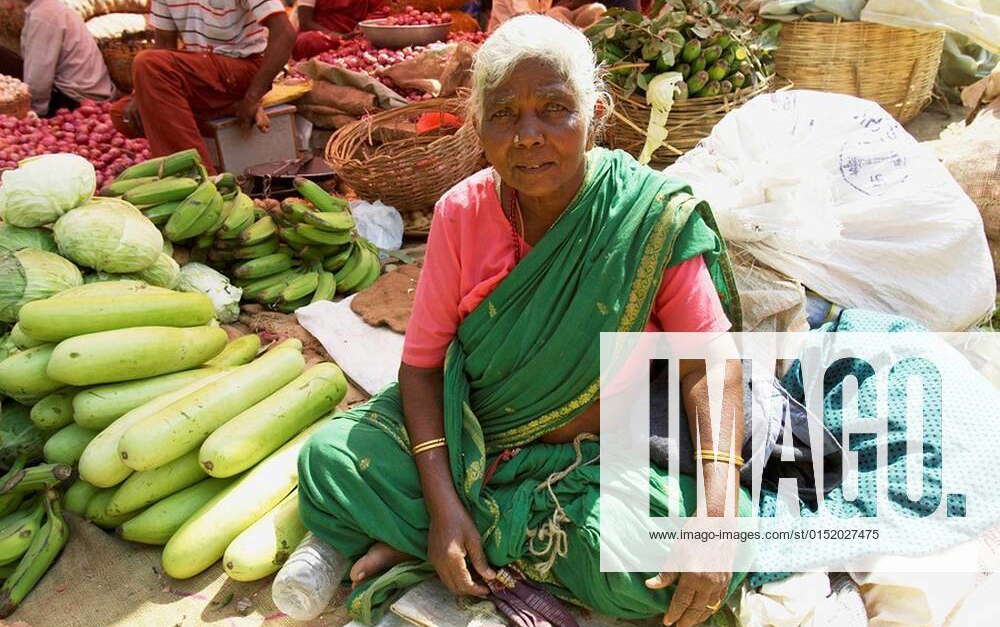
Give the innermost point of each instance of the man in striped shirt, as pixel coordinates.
(211, 58)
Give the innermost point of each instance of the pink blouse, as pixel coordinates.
(470, 251)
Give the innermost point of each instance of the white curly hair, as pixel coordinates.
(537, 37)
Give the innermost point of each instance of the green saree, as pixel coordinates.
(524, 363)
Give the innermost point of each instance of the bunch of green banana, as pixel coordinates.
(177, 194)
(36, 544)
(305, 251)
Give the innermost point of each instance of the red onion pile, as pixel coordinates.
(473, 37)
(414, 17)
(358, 54)
(87, 132)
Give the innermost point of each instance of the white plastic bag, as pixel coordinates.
(832, 192)
(379, 223)
(793, 9)
(979, 20)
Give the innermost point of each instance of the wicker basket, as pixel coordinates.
(690, 121)
(120, 53)
(17, 107)
(895, 67)
(412, 173)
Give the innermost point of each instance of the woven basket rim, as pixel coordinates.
(356, 132)
(893, 66)
(841, 23)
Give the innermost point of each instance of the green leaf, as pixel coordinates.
(632, 17)
(678, 19)
(631, 82)
(703, 31)
(597, 28)
(642, 82)
(675, 38)
(651, 50)
(768, 39)
(615, 11)
(633, 43)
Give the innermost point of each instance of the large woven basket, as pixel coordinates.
(895, 67)
(120, 53)
(17, 107)
(411, 173)
(690, 121)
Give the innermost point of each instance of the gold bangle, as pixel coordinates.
(428, 445)
(719, 456)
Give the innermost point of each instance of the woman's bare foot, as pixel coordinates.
(379, 558)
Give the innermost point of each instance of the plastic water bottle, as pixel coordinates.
(307, 582)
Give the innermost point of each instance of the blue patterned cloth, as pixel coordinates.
(961, 415)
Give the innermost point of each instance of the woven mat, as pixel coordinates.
(102, 580)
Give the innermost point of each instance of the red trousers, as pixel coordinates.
(174, 90)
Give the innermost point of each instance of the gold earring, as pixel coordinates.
(517, 138)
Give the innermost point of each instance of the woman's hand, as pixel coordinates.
(698, 595)
(453, 539)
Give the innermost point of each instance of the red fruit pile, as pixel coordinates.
(473, 37)
(415, 17)
(359, 55)
(87, 132)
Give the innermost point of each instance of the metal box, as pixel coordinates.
(234, 149)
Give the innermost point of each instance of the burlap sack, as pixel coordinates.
(102, 580)
(389, 301)
(325, 117)
(348, 100)
(972, 155)
(385, 98)
(438, 72)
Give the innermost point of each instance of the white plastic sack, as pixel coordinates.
(979, 20)
(832, 192)
(793, 9)
(379, 223)
(369, 355)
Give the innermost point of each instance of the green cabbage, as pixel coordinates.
(29, 274)
(225, 297)
(16, 238)
(109, 234)
(43, 188)
(7, 347)
(19, 437)
(163, 273)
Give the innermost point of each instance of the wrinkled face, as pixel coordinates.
(533, 131)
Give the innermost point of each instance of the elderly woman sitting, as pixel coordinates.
(527, 262)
